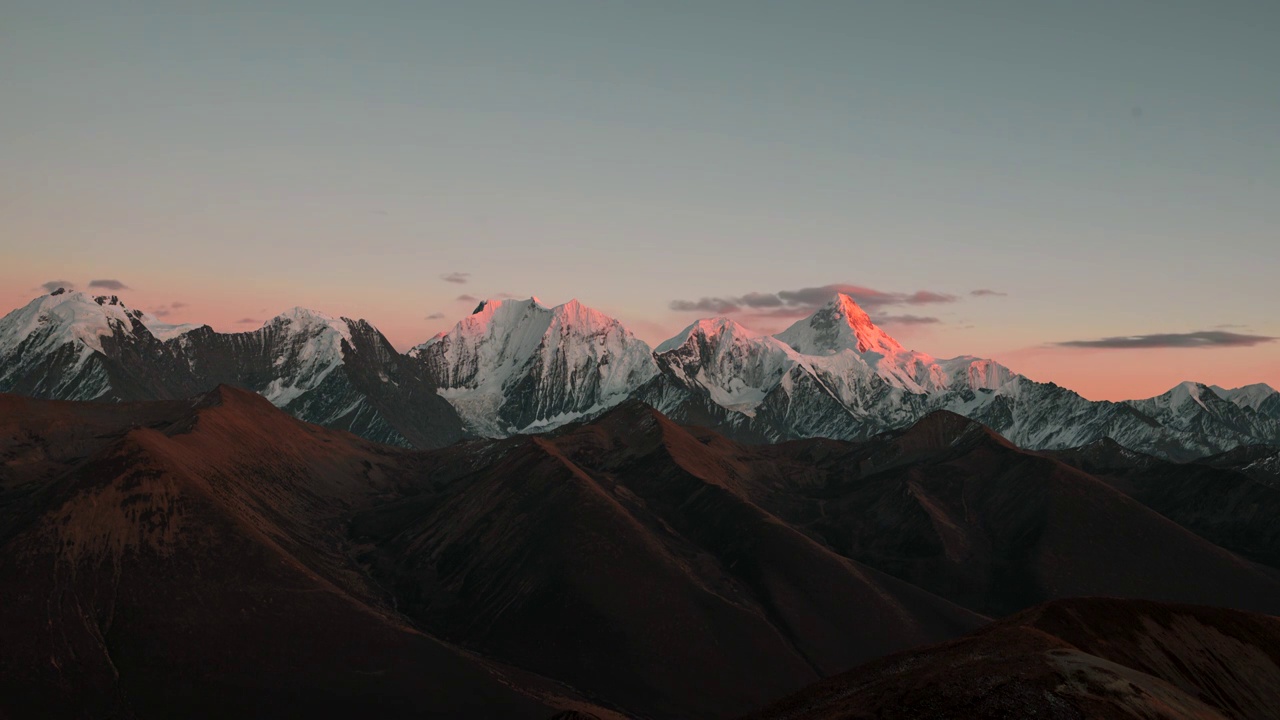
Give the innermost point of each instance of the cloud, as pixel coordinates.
(984, 292)
(177, 305)
(761, 300)
(459, 278)
(247, 321)
(467, 298)
(436, 316)
(906, 320)
(55, 284)
(924, 297)
(803, 301)
(108, 284)
(1201, 339)
(706, 304)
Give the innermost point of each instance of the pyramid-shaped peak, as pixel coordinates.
(839, 325)
(708, 328)
(301, 320)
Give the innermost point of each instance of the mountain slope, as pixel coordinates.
(1222, 499)
(951, 507)
(177, 557)
(1071, 659)
(608, 550)
(197, 566)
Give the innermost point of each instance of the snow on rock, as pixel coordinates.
(1258, 397)
(53, 346)
(309, 345)
(736, 367)
(64, 316)
(515, 365)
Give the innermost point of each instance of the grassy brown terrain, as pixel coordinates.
(1095, 658)
(214, 556)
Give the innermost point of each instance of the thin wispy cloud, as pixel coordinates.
(1201, 339)
(436, 316)
(458, 278)
(55, 284)
(248, 321)
(803, 301)
(467, 298)
(986, 292)
(906, 320)
(108, 284)
(720, 306)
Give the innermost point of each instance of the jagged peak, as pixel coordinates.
(1188, 390)
(306, 318)
(575, 312)
(712, 328)
(1251, 396)
(64, 316)
(502, 314)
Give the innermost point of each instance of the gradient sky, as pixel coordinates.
(1112, 168)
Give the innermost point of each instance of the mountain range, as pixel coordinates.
(518, 367)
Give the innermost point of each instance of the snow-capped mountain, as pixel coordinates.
(76, 346)
(836, 374)
(337, 372)
(332, 371)
(1259, 397)
(1201, 412)
(516, 366)
(754, 387)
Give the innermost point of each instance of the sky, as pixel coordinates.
(1088, 192)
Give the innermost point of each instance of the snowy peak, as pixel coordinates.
(65, 316)
(839, 325)
(300, 320)
(976, 373)
(518, 366)
(1184, 393)
(1253, 396)
(308, 346)
(708, 329)
(733, 367)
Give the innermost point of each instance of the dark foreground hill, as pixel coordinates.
(214, 556)
(188, 559)
(1069, 660)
